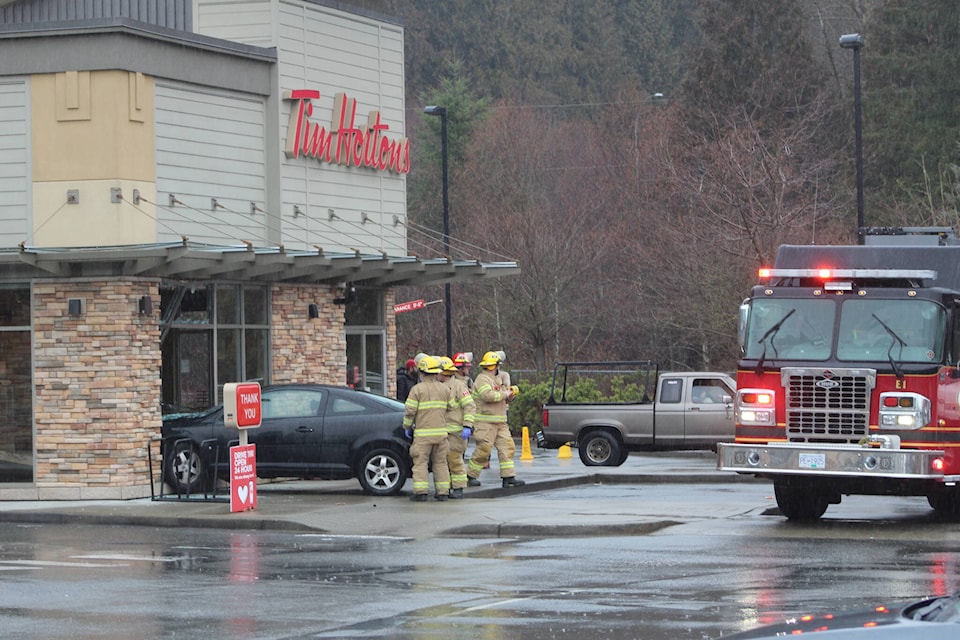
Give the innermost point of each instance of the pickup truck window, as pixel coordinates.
(671, 390)
(709, 391)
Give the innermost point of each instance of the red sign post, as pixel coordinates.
(242, 409)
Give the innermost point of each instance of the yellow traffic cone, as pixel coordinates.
(565, 451)
(525, 453)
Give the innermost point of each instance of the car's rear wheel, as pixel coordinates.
(382, 472)
(184, 468)
(600, 449)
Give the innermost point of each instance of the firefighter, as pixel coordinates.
(425, 422)
(463, 362)
(459, 426)
(491, 428)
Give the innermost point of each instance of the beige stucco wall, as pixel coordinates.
(92, 132)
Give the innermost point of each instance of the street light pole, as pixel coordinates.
(855, 41)
(442, 112)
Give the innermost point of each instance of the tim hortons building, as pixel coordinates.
(191, 193)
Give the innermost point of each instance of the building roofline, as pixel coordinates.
(276, 265)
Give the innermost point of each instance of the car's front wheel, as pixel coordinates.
(382, 472)
(184, 468)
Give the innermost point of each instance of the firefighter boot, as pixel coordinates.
(456, 494)
(441, 497)
(512, 482)
(419, 497)
(473, 482)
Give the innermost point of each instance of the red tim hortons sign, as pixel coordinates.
(346, 142)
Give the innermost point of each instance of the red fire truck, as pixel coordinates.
(849, 379)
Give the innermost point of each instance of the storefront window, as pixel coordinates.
(16, 408)
(366, 337)
(233, 347)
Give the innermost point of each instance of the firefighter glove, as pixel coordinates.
(466, 433)
(408, 433)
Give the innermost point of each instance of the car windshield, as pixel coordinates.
(390, 403)
(945, 609)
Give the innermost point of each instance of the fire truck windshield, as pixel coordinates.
(902, 330)
(851, 330)
(789, 329)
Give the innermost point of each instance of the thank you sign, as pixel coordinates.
(241, 405)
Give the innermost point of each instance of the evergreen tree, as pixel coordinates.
(910, 99)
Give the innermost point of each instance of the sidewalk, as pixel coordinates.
(340, 508)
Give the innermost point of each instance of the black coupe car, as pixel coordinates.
(307, 431)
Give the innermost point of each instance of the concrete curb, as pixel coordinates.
(512, 530)
(296, 511)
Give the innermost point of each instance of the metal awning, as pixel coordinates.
(195, 261)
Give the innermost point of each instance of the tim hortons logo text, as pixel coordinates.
(345, 142)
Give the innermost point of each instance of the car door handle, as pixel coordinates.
(304, 429)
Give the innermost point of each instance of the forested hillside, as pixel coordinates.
(640, 159)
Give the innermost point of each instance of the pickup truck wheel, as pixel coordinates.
(801, 503)
(600, 449)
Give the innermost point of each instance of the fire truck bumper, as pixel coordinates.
(830, 460)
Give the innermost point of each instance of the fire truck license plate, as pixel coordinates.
(813, 461)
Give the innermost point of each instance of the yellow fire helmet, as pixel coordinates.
(490, 359)
(446, 365)
(428, 364)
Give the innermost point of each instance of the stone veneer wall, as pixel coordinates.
(305, 349)
(390, 322)
(97, 390)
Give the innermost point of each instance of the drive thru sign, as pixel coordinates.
(242, 409)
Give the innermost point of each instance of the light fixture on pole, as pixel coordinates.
(442, 112)
(855, 41)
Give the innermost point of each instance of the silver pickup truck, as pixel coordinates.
(608, 409)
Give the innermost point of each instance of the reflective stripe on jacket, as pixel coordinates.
(426, 408)
(463, 415)
(490, 398)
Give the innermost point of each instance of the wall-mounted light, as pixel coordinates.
(349, 295)
(145, 306)
(313, 312)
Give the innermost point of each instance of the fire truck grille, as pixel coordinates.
(828, 406)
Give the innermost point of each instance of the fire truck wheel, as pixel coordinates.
(945, 501)
(600, 448)
(800, 503)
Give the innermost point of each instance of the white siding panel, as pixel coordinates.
(246, 22)
(210, 146)
(14, 163)
(332, 52)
